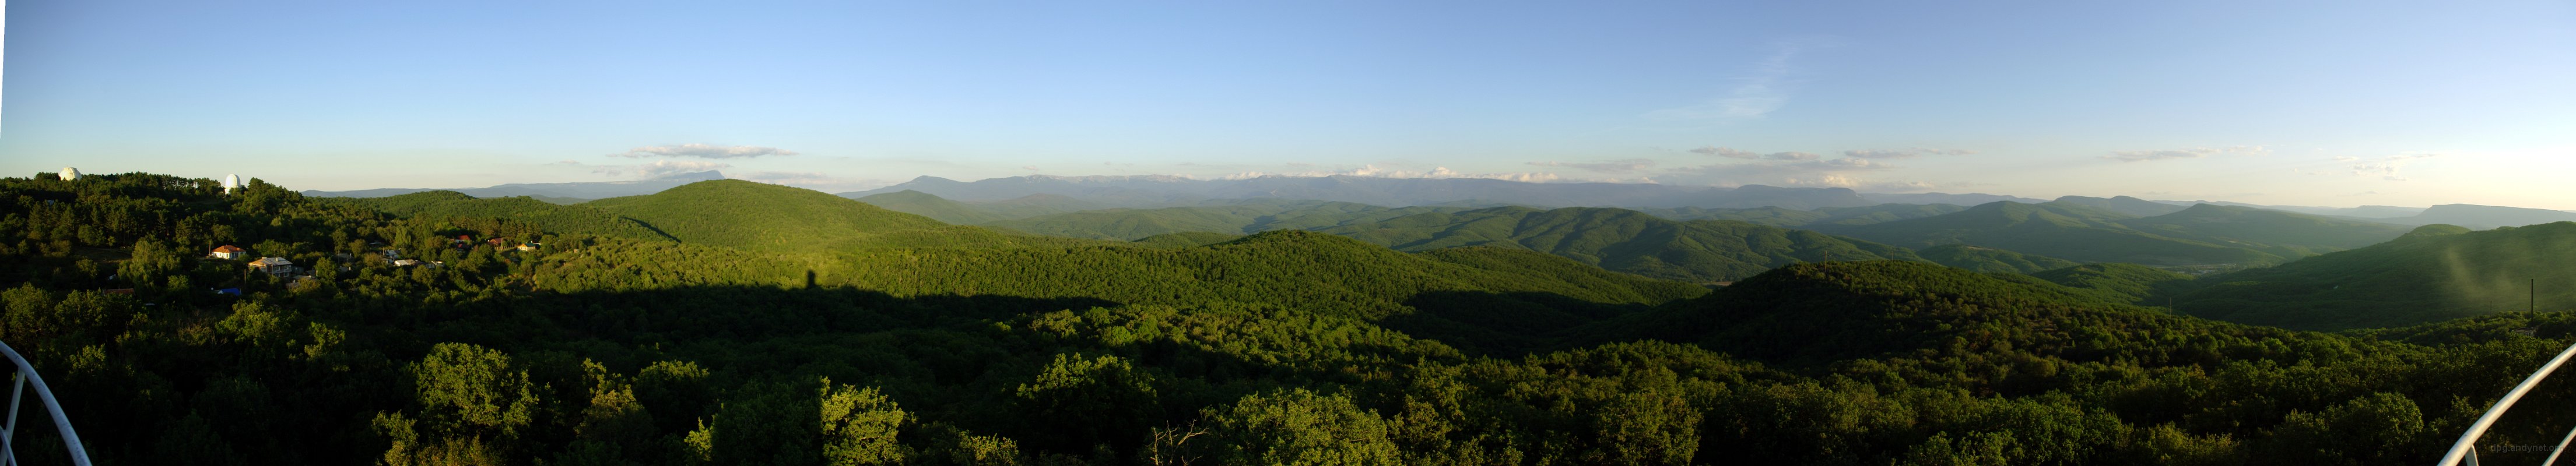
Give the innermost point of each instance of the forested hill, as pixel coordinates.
(2199, 235)
(1622, 240)
(2055, 230)
(765, 217)
(927, 205)
(451, 206)
(1284, 345)
(2440, 272)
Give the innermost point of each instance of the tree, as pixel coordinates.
(1298, 428)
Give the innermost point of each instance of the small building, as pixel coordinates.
(391, 254)
(525, 247)
(228, 252)
(406, 262)
(69, 174)
(275, 266)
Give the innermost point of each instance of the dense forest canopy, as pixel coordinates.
(764, 325)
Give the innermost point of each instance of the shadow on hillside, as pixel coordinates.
(1504, 325)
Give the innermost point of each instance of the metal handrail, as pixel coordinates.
(2467, 446)
(8, 435)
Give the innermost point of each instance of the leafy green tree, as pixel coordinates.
(1298, 428)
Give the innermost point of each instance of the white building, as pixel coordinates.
(70, 174)
(231, 182)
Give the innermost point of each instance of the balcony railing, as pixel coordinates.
(25, 376)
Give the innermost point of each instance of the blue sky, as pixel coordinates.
(2308, 103)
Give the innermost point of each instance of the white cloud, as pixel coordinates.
(1791, 156)
(1612, 166)
(2191, 153)
(706, 151)
(1725, 152)
(1880, 154)
(1903, 153)
(1392, 172)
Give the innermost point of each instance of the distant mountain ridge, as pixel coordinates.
(591, 190)
(1167, 191)
(2088, 230)
(2480, 217)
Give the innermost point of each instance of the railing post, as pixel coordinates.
(9, 435)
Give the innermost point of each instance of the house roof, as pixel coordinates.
(407, 262)
(271, 261)
(227, 249)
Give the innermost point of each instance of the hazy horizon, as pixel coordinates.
(2310, 104)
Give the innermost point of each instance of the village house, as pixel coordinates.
(274, 266)
(228, 252)
(525, 247)
(406, 263)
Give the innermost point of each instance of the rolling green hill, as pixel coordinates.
(1792, 218)
(765, 217)
(2122, 204)
(1990, 259)
(2279, 233)
(967, 213)
(1239, 217)
(1816, 314)
(1303, 270)
(2117, 282)
(2063, 231)
(554, 218)
(2438, 272)
(1622, 240)
(1286, 344)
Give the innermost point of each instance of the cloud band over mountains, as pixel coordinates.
(704, 151)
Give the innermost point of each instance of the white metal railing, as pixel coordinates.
(9, 433)
(2466, 448)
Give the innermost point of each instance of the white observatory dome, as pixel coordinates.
(70, 174)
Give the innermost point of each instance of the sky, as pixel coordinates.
(2337, 103)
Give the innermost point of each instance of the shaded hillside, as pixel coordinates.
(551, 217)
(2063, 231)
(1794, 218)
(1185, 239)
(1303, 270)
(2116, 282)
(1814, 314)
(2279, 233)
(1978, 259)
(1622, 240)
(765, 217)
(2439, 272)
